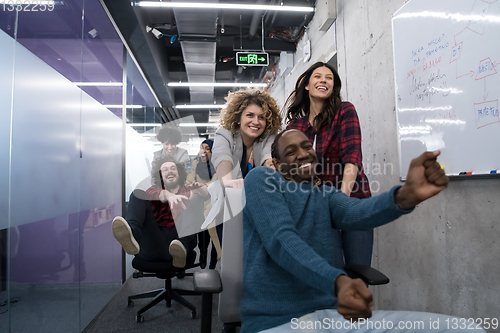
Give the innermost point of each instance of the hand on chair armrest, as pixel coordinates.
(207, 281)
(368, 274)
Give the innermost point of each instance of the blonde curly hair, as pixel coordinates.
(238, 101)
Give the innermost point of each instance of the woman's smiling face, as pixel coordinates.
(320, 83)
(252, 122)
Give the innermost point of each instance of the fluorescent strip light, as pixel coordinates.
(198, 5)
(199, 106)
(144, 124)
(99, 84)
(119, 106)
(198, 125)
(213, 84)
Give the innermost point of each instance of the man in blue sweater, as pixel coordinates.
(292, 255)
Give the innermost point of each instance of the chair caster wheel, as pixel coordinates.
(139, 318)
(194, 314)
(130, 303)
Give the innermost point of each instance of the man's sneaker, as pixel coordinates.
(123, 234)
(178, 253)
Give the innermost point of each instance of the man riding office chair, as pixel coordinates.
(155, 219)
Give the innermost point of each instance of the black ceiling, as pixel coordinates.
(162, 60)
(62, 38)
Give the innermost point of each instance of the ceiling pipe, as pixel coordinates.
(297, 30)
(254, 25)
(197, 36)
(274, 15)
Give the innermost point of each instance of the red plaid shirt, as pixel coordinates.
(336, 146)
(163, 214)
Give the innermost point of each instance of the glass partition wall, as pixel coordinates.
(61, 163)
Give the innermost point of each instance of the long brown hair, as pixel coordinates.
(299, 104)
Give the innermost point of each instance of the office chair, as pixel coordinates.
(167, 294)
(230, 281)
(164, 270)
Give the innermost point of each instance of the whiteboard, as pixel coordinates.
(446, 67)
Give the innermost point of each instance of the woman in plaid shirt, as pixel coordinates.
(316, 108)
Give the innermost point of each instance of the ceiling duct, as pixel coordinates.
(199, 56)
(256, 20)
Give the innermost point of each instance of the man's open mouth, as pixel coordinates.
(304, 166)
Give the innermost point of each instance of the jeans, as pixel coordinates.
(153, 240)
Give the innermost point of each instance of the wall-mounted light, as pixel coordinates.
(158, 34)
(93, 33)
(199, 106)
(198, 5)
(213, 84)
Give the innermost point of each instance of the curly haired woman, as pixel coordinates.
(249, 123)
(250, 120)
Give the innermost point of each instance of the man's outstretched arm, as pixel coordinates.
(425, 179)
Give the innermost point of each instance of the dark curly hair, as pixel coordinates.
(298, 102)
(238, 101)
(169, 133)
(275, 154)
(156, 167)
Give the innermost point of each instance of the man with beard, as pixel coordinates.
(292, 258)
(149, 230)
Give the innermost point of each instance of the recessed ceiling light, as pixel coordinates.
(99, 84)
(218, 84)
(199, 5)
(119, 106)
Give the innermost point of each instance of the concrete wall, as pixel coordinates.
(444, 256)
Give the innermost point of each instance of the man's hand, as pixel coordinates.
(194, 186)
(199, 188)
(425, 179)
(354, 299)
(177, 201)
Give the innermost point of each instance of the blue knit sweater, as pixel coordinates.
(291, 252)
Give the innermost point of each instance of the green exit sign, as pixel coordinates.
(252, 58)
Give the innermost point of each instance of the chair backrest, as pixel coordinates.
(232, 257)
